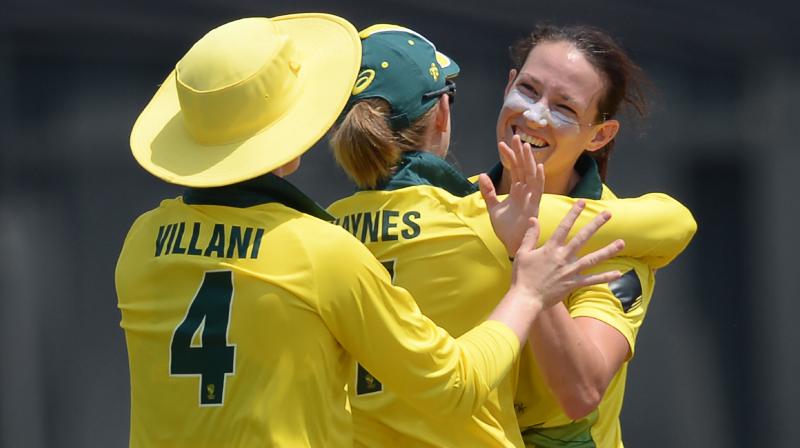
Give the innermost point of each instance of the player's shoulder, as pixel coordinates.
(637, 279)
(322, 238)
(624, 265)
(431, 203)
(152, 216)
(408, 196)
(657, 202)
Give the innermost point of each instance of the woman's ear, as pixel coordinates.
(442, 113)
(512, 75)
(287, 168)
(603, 133)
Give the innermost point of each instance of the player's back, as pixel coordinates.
(225, 341)
(442, 249)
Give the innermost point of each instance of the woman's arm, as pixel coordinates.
(656, 227)
(382, 327)
(580, 350)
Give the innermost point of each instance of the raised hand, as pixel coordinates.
(512, 216)
(550, 273)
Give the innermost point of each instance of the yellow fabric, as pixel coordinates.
(537, 408)
(308, 299)
(458, 271)
(230, 111)
(656, 228)
(445, 253)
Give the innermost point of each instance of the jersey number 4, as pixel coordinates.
(213, 359)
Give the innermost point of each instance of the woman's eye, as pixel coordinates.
(529, 90)
(567, 110)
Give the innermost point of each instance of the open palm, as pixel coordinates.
(513, 215)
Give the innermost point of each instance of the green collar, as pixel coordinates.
(257, 191)
(423, 168)
(590, 186)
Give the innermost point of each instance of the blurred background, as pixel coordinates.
(718, 354)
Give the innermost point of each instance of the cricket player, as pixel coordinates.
(565, 90)
(244, 310)
(392, 142)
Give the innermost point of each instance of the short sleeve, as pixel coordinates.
(621, 304)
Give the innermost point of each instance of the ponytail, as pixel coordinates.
(367, 148)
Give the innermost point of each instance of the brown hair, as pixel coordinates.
(367, 148)
(625, 81)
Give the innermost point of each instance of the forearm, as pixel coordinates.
(573, 366)
(518, 312)
(487, 353)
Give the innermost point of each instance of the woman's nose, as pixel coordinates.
(538, 115)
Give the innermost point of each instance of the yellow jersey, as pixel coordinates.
(433, 231)
(244, 312)
(621, 304)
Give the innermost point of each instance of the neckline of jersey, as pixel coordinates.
(422, 168)
(590, 186)
(257, 191)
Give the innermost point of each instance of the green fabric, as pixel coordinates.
(590, 186)
(257, 191)
(400, 67)
(423, 168)
(577, 434)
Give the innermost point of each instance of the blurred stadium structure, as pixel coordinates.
(717, 358)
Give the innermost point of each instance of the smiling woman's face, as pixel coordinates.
(564, 83)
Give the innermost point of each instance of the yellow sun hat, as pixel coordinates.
(248, 97)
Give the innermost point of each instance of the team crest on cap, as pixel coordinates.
(434, 71)
(363, 81)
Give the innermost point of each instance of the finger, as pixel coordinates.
(598, 279)
(522, 173)
(598, 256)
(539, 190)
(528, 165)
(532, 180)
(540, 174)
(531, 236)
(561, 232)
(503, 151)
(518, 150)
(487, 191)
(586, 232)
(508, 160)
(535, 187)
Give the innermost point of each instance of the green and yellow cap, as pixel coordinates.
(404, 68)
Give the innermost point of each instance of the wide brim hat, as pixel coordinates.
(247, 98)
